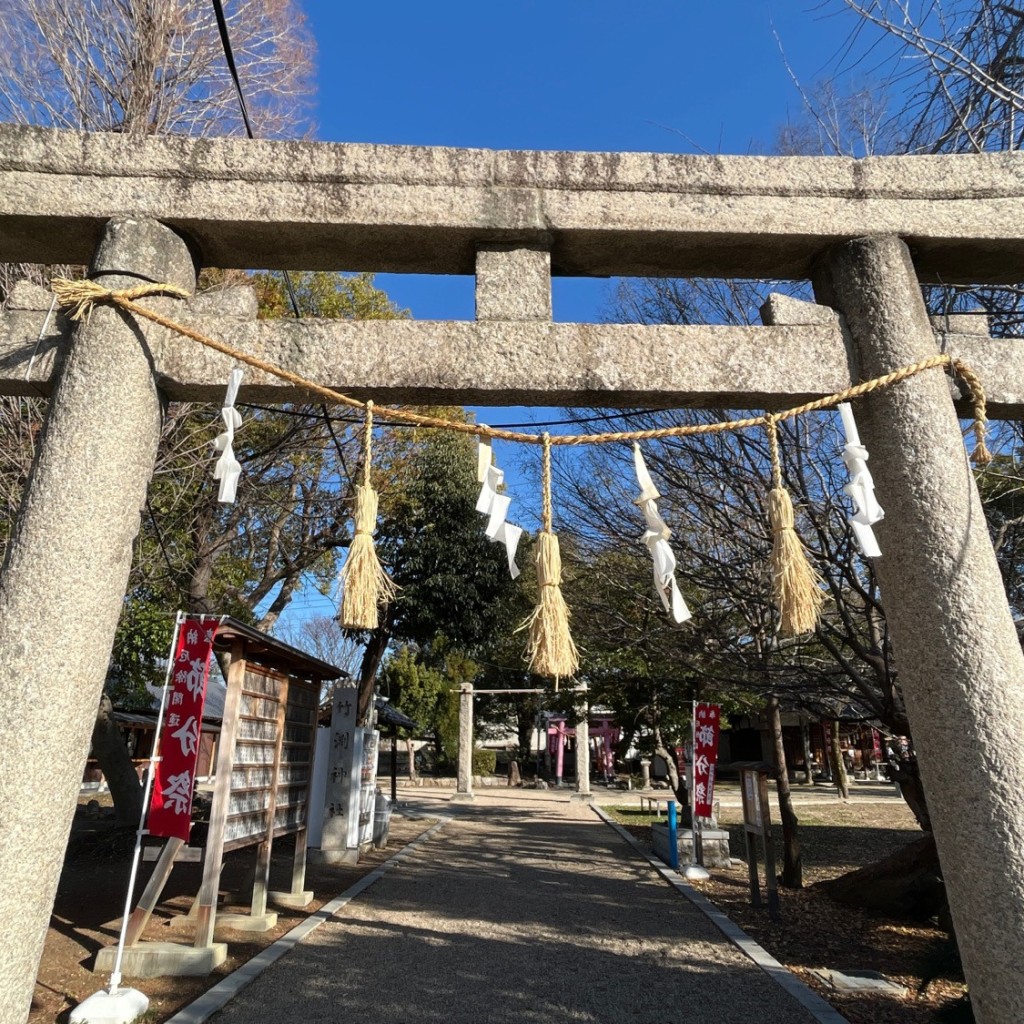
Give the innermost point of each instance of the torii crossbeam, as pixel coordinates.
(864, 231)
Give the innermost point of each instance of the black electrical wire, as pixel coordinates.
(225, 42)
(229, 56)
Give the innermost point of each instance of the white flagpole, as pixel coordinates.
(115, 977)
(695, 870)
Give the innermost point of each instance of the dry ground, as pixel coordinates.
(90, 898)
(816, 932)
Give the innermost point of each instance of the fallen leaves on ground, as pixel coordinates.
(817, 932)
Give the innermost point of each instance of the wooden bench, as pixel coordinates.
(651, 803)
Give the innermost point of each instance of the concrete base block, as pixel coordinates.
(343, 856)
(297, 900)
(581, 798)
(462, 798)
(162, 959)
(715, 846)
(247, 922)
(119, 1007)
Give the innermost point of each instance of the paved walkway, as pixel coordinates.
(521, 909)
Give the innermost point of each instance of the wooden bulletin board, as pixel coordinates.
(757, 822)
(264, 775)
(273, 734)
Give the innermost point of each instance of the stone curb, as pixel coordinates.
(216, 998)
(805, 996)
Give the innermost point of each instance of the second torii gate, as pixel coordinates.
(865, 232)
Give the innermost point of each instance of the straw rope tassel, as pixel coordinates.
(796, 586)
(550, 647)
(982, 456)
(365, 585)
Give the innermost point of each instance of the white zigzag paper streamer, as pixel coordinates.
(656, 538)
(495, 506)
(228, 468)
(861, 488)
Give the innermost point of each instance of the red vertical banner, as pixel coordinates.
(170, 806)
(705, 756)
(876, 746)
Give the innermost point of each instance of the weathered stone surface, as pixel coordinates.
(26, 295)
(582, 743)
(237, 301)
(513, 283)
(959, 658)
(464, 363)
(714, 845)
(464, 779)
(62, 586)
(785, 311)
(960, 323)
(305, 205)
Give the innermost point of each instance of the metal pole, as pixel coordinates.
(673, 836)
(695, 870)
(394, 764)
(115, 976)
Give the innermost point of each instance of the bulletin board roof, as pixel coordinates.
(272, 653)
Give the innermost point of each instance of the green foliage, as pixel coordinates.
(326, 295)
(454, 583)
(448, 727)
(289, 519)
(484, 761)
(141, 646)
(426, 691)
(417, 690)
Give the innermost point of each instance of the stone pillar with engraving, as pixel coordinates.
(341, 798)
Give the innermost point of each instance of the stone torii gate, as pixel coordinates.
(865, 232)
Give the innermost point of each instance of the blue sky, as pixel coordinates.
(560, 74)
(650, 76)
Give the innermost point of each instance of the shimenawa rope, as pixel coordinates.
(796, 585)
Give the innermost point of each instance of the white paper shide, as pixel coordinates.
(861, 488)
(656, 538)
(228, 468)
(495, 506)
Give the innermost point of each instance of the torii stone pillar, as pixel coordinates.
(959, 658)
(464, 781)
(63, 583)
(582, 746)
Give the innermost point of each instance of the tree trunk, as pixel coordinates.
(412, 759)
(679, 786)
(907, 883)
(906, 773)
(805, 736)
(526, 725)
(792, 859)
(109, 750)
(826, 768)
(835, 758)
(373, 654)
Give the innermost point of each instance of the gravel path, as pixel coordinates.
(517, 911)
